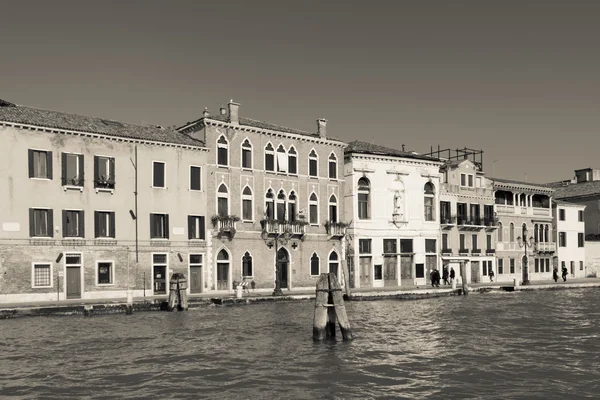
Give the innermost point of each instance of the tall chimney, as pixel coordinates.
(205, 113)
(322, 128)
(234, 109)
(223, 111)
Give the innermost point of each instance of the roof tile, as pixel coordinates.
(358, 146)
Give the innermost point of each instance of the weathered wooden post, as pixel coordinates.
(182, 290)
(463, 278)
(173, 292)
(129, 305)
(329, 308)
(178, 293)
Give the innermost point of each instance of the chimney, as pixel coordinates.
(223, 111)
(205, 113)
(322, 128)
(234, 109)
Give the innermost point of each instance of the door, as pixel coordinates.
(365, 271)
(378, 275)
(73, 282)
(195, 279)
(474, 271)
(283, 265)
(160, 279)
(390, 271)
(406, 274)
(222, 276)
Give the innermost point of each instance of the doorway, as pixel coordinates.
(223, 265)
(196, 282)
(364, 270)
(283, 265)
(73, 266)
(475, 272)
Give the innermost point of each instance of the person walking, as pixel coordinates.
(445, 276)
(555, 274)
(452, 274)
(491, 275)
(564, 274)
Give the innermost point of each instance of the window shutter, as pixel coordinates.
(201, 228)
(166, 226)
(112, 225)
(30, 161)
(190, 227)
(82, 224)
(31, 223)
(63, 166)
(152, 230)
(96, 162)
(111, 162)
(81, 169)
(49, 164)
(96, 224)
(51, 222)
(64, 223)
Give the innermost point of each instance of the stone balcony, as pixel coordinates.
(272, 227)
(545, 247)
(509, 209)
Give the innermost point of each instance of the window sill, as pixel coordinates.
(68, 187)
(42, 287)
(196, 190)
(223, 166)
(246, 169)
(105, 190)
(105, 241)
(104, 284)
(159, 187)
(313, 177)
(248, 221)
(40, 179)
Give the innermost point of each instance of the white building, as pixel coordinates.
(570, 230)
(391, 197)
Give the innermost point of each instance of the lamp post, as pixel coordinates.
(525, 243)
(280, 239)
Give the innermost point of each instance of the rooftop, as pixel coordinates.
(533, 187)
(573, 190)
(17, 114)
(358, 146)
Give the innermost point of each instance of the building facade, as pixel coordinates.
(93, 208)
(525, 247)
(275, 200)
(391, 198)
(570, 237)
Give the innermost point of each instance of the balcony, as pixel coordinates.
(273, 227)
(446, 251)
(490, 251)
(490, 223)
(463, 252)
(102, 184)
(75, 182)
(476, 252)
(336, 229)
(505, 209)
(225, 224)
(447, 221)
(545, 247)
(470, 224)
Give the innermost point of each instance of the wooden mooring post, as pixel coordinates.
(178, 292)
(329, 308)
(463, 278)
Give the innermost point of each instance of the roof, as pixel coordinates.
(358, 146)
(533, 187)
(572, 190)
(17, 114)
(568, 204)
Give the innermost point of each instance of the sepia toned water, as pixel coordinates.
(542, 345)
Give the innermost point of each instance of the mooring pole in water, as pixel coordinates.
(178, 292)
(463, 278)
(329, 308)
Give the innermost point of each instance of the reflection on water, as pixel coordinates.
(495, 346)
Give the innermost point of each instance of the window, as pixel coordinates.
(72, 169)
(41, 275)
(270, 205)
(470, 180)
(291, 215)
(364, 192)
(247, 204)
(196, 227)
(512, 232)
(580, 214)
(41, 222)
(390, 246)
(282, 160)
(581, 265)
(247, 270)
(269, 158)
(463, 179)
(332, 166)
(364, 246)
(314, 265)
(562, 239)
(159, 226)
(334, 263)
(430, 246)
(158, 174)
(160, 264)
(104, 272)
(512, 265)
(104, 172)
(333, 211)
(292, 161)
(40, 164)
(313, 164)
(580, 239)
(500, 266)
(462, 242)
(561, 214)
(246, 155)
(474, 242)
(313, 209)
(280, 206)
(222, 151)
(537, 265)
(222, 201)
(73, 223)
(547, 265)
(489, 242)
(429, 193)
(195, 178)
(406, 246)
(445, 248)
(104, 224)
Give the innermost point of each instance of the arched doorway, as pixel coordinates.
(283, 267)
(223, 264)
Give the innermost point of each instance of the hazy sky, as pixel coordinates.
(518, 79)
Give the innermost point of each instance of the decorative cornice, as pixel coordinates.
(523, 188)
(390, 159)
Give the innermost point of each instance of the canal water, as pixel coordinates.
(542, 344)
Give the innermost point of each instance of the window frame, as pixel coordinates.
(51, 276)
(562, 214)
(243, 260)
(269, 152)
(562, 239)
(580, 239)
(110, 227)
(247, 197)
(223, 195)
(336, 207)
(80, 223)
(165, 225)
(80, 176)
(49, 222)
(164, 174)
(313, 203)
(314, 255)
(580, 216)
(314, 158)
(112, 272)
(365, 192)
(271, 201)
(331, 161)
(246, 148)
(281, 150)
(199, 178)
(225, 146)
(292, 154)
(108, 183)
(431, 217)
(31, 164)
(199, 222)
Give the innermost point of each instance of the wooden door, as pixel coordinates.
(73, 282)
(474, 271)
(222, 276)
(364, 270)
(195, 279)
(390, 267)
(406, 268)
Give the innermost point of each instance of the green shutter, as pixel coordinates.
(30, 161)
(112, 225)
(49, 164)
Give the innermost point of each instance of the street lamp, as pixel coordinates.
(525, 243)
(280, 240)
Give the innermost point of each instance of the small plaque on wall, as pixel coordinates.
(11, 227)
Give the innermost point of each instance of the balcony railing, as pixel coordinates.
(490, 222)
(276, 227)
(446, 251)
(225, 224)
(473, 222)
(336, 229)
(476, 251)
(450, 188)
(490, 251)
(76, 181)
(448, 219)
(545, 247)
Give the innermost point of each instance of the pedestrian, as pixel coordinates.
(564, 274)
(555, 274)
(452, 274)
(491, 275)
(445, 276)
(432, 277)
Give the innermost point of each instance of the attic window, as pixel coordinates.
(112, 123)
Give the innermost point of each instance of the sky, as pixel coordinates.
(518, 79)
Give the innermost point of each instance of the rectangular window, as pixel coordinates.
(445, 247)
(580, 214)
(430, 246)
(222, 156)
(489, 242)
(73, 223)
(158, 174)
(159, 226)
(484, 268)
(195, 178)
(561, 214)
(547, 265)
(463, 179)
(471, 180)
(246, 158)
(292, 164)
(312, 167)
(247, 209)
(461, 213)
(500, 266)
(406, 246)
(390, 246)
(72, 169)
(562, 239)
(572, 267)
(196, 228)
(104, 172)
(537, 265)
(462, 242)
(364, 246)
(40, 164)
(363, 206)
(580, 239)
(247, 270)
(42, 275)
(512, 265)
(429, 216)
(269, 161)
(41, 222)
(420, 270)
(581, 265)
(104, 224)
(282, 161)
(474, 242)
(105, 272)
(314, 213)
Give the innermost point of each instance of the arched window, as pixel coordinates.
(281, 206)
(314, 265)
(313, 209)
(333, 210)
(291, 216)
(546, 232)
(223, 201)
(334, 263)
(270, 205)
(292, 161)
(282, 160)
(364, 194)
(223, 270)
(537, 238)
(429, 200)
(247, 270)
(247, 214)
(313, 164)
(511, 232)
(332, 166)
(246, 154)
(269, 158)
(500, 232)
(222, 151)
